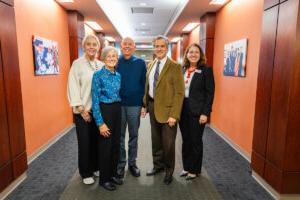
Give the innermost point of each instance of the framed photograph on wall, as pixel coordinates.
(235, 54)
(45, 56)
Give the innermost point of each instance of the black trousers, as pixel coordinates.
(192, 143)
(109, 148)
(163, 143)
(87, 134)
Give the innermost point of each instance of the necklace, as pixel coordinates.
(189, 73)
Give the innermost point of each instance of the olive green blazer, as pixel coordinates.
(169, 91)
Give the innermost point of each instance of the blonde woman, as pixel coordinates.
(79, 96)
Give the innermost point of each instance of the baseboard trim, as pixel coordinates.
(273, 192)
(231, 143)
(256, 177)
(12, 186)
(49, 144)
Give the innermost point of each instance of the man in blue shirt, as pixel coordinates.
(133, 73)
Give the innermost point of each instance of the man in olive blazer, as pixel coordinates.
(164, 93)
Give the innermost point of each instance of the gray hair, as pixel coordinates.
(105, 51)
(161, 37)
(88, 37)
(128, 38)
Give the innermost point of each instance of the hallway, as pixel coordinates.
(226, 175)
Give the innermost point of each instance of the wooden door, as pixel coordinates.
(13, 158)
(6, 174)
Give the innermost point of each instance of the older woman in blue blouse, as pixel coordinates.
(106, 107)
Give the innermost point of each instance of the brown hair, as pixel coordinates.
(186, 62)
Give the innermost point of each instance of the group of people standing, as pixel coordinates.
(109, 97)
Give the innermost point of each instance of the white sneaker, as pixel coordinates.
(88, 180)
(97, 173)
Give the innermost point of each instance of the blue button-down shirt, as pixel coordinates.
(105, 89)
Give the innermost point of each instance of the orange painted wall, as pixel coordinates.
(194, 36)
(234, 104)
(46, 110)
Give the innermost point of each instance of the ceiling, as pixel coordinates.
(150, 18)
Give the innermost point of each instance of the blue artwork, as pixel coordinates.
(45, 56)
(235, 58)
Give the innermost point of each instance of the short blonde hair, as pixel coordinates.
(107, 49)
(91, 36)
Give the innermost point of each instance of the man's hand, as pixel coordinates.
(202, 119)
(171, 121)
(104, 130)
(143, 112)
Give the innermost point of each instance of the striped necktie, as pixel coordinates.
(156, 75)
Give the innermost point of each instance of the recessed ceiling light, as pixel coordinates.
(66, 1)
(143, 4)
(143, 24)
(218, 2)
(175, 39)
(94, 25)
(190, 26)
(110, 39)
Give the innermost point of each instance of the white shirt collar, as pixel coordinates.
(162, 61)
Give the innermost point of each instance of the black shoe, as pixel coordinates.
(121, 172)
(168, 179)
(134, 170)
(117, 181)
(154, 171)
(108, 186)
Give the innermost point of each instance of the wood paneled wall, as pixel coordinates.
(13, 158)
(76, 34)
(276, 139)
(184, 44)
(174, 50)
(8, 2)
(207, 35)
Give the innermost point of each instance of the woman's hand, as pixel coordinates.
(86, 116)
(202, 119)
(104, 130)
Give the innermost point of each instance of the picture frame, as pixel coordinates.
(45, 53)
(235, 54)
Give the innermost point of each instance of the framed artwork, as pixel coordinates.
(235, 54)
(45, 56)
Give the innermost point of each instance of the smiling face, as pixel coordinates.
(193, 55)
(160, 48)
(127, 47)
(91, 47)
(111, 59)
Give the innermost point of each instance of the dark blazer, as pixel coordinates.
(201, 92)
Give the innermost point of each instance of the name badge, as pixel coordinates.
(198, 71)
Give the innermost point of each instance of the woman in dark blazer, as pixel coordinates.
(199, 94)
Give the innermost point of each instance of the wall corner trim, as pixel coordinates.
(273, 192)
(12, 186)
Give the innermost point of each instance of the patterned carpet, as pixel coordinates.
(226, 175)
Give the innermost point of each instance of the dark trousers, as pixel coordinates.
(163, 143)
(87, 133)
(192, 144)
(109, 147)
